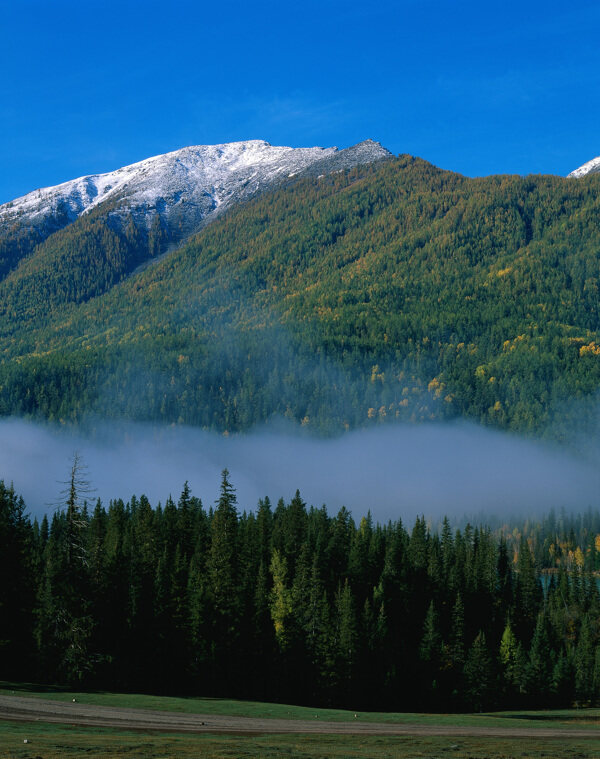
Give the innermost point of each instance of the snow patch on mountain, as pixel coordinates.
(185, 187)
(591, 167)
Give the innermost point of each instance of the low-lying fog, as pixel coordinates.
(393, 471)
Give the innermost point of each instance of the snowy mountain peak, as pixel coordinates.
(185, 189)
(591, 167)
(191, 173)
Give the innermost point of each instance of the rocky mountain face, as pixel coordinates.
(185, 189)
(591, 167)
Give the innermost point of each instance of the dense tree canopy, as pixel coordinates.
(292, 603)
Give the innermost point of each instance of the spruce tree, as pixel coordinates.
(224, 585)
(541, 663)
(479, 674)
(585, 660)
(346, 643)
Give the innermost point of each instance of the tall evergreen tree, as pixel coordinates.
(224, 582)
(585, 661)
(479, 674)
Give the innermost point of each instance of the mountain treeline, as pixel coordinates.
(392, 292)
(289, 603)
(76, 263)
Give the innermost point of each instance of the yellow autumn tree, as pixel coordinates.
(281, 599)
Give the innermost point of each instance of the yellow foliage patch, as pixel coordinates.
(590, 350)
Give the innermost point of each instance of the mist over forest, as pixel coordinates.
(394, 471)
(390, 300)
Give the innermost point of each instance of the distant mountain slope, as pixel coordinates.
(113, 223)
(591, 167)
(387, 291)
(177, 192)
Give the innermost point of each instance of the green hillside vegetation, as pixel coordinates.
(19, 239)
(73, 265)
(398, 291)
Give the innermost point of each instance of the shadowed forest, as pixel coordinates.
(289, 603)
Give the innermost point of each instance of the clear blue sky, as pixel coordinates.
(479, 87)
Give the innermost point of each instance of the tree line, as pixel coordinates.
(290, 603)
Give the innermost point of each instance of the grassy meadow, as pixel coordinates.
(50, 741)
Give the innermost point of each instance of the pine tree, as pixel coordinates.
(457, 635)
(69, 582)
(447, 546)
(479, 673)
(509, 659)
(430, 652)
(198, 628)
(541, 663)
(223, 555)
(346, 642)
(563, 679)
(144, 555)
(528, 594)
(224, 585)
(431, 642)
(585, 661)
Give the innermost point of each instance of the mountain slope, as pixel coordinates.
(177, 192)
(591, 167)
(145, 210)
(390, 291)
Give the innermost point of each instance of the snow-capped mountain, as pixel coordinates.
(186, 188)
(591, 167)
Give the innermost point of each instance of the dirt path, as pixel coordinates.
(34, 709)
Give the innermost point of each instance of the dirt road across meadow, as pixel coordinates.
(35, 709)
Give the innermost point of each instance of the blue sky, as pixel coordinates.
(477, 87)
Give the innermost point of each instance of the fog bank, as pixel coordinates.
(395, 471)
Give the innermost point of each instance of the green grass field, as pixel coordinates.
(560, 717)
(52, 742)
(49, 741)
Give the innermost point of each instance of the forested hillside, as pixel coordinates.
(395, 292)
(290, 603)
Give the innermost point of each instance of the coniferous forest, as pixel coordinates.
(392, 292)
(395, 292)
(289, 603)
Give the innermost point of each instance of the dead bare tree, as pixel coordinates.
(74, 497)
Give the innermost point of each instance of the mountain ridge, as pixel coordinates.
(183, 188)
